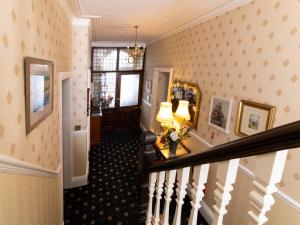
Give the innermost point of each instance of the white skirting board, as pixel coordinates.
(81, 180)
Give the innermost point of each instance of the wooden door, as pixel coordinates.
(126, 112)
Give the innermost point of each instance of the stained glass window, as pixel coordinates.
(125, 64)
(105, 59)
(104, 89)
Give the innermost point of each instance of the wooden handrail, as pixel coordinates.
(276, 139)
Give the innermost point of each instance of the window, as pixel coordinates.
(124, 63)
(129, 90)
(105, 59)
(116, 81)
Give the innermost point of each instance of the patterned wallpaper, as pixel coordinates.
(80, 65)
(249, 53)
(38, 29)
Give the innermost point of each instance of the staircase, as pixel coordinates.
(164, 185)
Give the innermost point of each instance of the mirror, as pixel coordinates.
(190, 92)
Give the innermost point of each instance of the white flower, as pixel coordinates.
(174, 136)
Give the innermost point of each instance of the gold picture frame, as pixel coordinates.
(254, 118)
(190, 92)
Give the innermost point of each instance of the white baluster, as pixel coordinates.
(268, 171)
(182, 180)
(200, 175)
(226, 176)
(170, 179)
(152, 180)
(159, 190)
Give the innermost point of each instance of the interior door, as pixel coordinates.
(126, 112)
(129, 96)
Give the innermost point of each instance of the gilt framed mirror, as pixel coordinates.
(191, 92)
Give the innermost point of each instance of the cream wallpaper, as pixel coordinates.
(249, 53)
(38, 29)
(80, 65)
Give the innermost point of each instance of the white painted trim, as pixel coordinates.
(280, 194)
(77, 8)
(212, 14)
(81, 22)
(116, 44)
(284, 197)
(146, 103)
(142, 127)
(61, 77)
(156, 72)
(206, 212)
(16, 166)
(79, 181)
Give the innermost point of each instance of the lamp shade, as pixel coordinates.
(182, 111)
(165, 114)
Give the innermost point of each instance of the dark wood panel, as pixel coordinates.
(95, 132)
(121, 118)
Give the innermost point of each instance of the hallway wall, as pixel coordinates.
(29, 200)
(249, 53)
(39, 29)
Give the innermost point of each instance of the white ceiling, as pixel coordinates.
(155, 17)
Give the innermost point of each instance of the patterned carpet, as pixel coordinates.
(111, 196)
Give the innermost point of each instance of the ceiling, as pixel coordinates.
(155, 17)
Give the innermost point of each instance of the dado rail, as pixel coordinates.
(158, 178)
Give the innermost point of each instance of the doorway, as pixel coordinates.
(65, 133)
(162, 80)
(116, 87)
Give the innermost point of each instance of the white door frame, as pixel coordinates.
(61, 77)
(158, 70)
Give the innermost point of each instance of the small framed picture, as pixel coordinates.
(254, 118)
(38, 91)
(220, 112)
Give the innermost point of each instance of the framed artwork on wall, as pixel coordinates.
(38, 91)
(220, 112)
(148, 90)
(254, 118)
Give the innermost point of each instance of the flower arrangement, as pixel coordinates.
(171, 137)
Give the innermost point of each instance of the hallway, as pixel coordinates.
(111, 196)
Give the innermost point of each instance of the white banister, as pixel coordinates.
(182, 180)
(152, 180)
(226, 176)
(200, 175)
(169, 184)
(159, 190)
(268, 172)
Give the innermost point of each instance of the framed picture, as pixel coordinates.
(254, 118)
(220, 112)
(38, 91)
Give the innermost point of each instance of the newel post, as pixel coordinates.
(147, 156)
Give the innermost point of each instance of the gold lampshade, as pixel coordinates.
(165, 114)
(182, 111)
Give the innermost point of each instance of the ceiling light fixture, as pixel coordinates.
(136, 51)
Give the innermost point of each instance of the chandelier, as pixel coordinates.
(135, 52)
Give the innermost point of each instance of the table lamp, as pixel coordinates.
(165, 115)
(182, 112)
